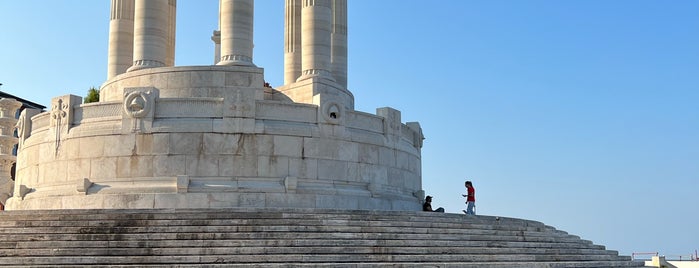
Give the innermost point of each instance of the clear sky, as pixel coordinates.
(581, 114)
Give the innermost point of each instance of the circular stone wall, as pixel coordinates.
(206, 137)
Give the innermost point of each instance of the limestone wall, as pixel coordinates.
(150, 145)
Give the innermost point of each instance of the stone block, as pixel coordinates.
(234, 125)
(91, 147)
(387, 157)
(130, 201)
(240, 102)
(303, 168)
(373, 173)
(48, 172)
(264, 145)
(407, 161)
(396, 177)
(245, 165)
(70, 149)
(337, 202)
(353, 172)
(288, 146)
(219, 143)
(273, 166)
(368, 153)
(255, 200)
(291, 183)
(165, 200)
(284, 200)
(103, 167)
(83, 185)
(392, 120)
(287, 128)
(201, 165)
(169, 165)
(185, 143)
(119, 145)
(142, 166)
(144, 144)
(316, 148)
(294, 112)
(225, 166)
(182, 125)
(371, 203)
(182, 183)
(221, 200)
(161, 143)
(246, 145)
(332, 170)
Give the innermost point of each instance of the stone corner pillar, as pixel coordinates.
(236, 18)
(8, 112)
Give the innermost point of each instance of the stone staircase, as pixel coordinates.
(245, 237)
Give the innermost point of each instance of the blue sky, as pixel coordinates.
(581, 114)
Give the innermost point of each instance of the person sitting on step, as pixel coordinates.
(427, 206)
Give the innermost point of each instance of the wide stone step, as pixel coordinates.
(299, 258)
(295, 243)
(296, 227)
(288, 238)
(586, 264)
(268, 222)
(279, 235)
(267, 213)
(196, 249)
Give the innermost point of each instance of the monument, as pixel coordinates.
(204, 166)
(165, 136)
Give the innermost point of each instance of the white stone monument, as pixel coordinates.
(165, 136)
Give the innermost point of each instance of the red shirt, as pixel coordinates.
(471, 194)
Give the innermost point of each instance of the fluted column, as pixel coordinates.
(120, 55)
(236, 32)
(316, 20)
(172, 28)
(216, 37)
(151, 30)
(339, 42)
(292, 41)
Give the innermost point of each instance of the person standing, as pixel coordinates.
(470, 198)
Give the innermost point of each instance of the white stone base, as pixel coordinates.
(209, 137)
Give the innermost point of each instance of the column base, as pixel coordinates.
(237, 60)
(316, 73)
(144, 64)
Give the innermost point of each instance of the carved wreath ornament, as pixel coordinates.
(136, 104)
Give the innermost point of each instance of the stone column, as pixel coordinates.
(8, 111)
(316, 20)
(339, 42)
(216, 37)
(120, 55)
(292, 41)
(172, 19)
(236, 32)
(151, 29)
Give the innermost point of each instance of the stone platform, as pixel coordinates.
(270, 237)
